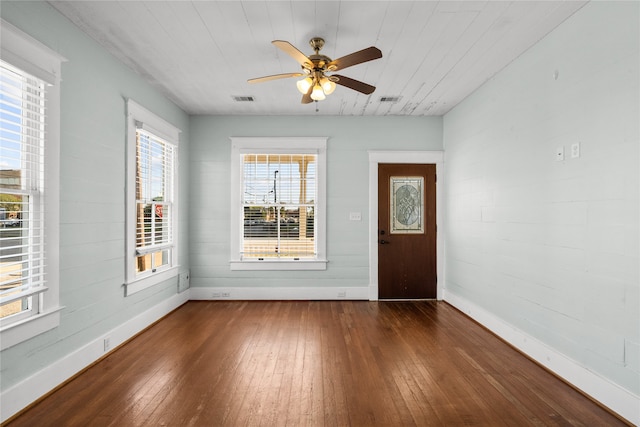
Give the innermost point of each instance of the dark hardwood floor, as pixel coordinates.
(300, 363)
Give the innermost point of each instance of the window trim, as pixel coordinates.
(277, 145)
(140, 117)
(25, 52)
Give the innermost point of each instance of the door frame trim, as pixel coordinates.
(425, 157)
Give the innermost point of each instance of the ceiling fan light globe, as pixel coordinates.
(304, 85)
(328, 86)
(317, 94)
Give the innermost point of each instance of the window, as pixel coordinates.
(29, 187)
(154, 188)
(22, 257)
(151, 186)
(278, 204)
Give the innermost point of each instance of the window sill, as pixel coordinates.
(280, 265)
(15, 333)
(145, 282)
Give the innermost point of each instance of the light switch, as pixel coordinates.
(355, 216)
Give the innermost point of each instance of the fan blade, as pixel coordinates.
(274, 77)
(306, 98)
(355, 58)
(293, 51)
(354, 84)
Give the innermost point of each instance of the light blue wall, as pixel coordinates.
(550, 247)
(347, 191)
(92, 184)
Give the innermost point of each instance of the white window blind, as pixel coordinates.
(155, 159)
(279, 206)
(22, 237)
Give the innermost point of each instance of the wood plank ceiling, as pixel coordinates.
(201, 53)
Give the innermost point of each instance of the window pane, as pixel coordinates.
(279, 178)
(154, 166)
(310, 184)
(154, 181)
(153, 224)
(162, 229)
(15, 307)
(150, 261)
(19, 268)
(143, 263)
(144, 225)
(310, 221)
(157, 176)
(22, 138)
(279, 193)
(14, 252)
(163, 258)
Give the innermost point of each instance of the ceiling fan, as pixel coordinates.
(316, 84)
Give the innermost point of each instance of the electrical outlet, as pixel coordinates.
(226, 295)
(342, 294)
(575, 150)
(107, 344)
(355, 216)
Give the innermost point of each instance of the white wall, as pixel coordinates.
(93, 91)
(550, 247)
(347, 191)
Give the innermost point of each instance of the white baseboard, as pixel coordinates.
(283, 293)
(40, 383)
(611, 395)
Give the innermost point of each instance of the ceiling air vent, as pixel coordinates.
(390, 98)
(243, 98)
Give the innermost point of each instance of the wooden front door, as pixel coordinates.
(406, 231)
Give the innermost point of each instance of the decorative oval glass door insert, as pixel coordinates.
(407, 204)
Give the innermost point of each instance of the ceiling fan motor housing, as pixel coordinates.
(318, 62)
